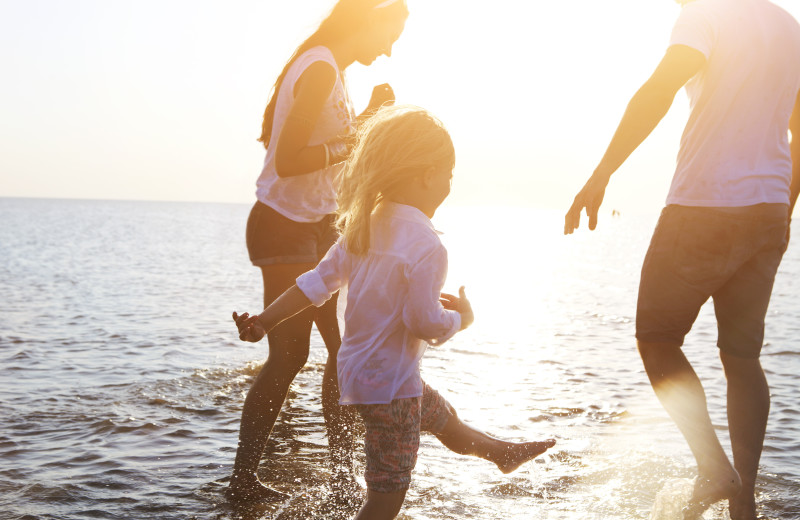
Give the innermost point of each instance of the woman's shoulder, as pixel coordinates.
(317, 63)
(314, 55)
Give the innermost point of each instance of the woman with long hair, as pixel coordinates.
(307, 129)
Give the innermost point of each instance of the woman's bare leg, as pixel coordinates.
(339, 420)
(288, 352)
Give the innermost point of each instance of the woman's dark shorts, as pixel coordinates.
(728, 254)
(275, 239)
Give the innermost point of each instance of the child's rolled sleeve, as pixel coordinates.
(322, 282)
(313, 286)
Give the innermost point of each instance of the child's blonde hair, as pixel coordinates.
(393, 147)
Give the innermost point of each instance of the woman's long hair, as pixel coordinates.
(393, 147)
(346, 17)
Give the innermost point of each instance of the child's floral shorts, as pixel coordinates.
(392, 436)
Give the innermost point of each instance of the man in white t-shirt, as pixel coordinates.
(725, 226)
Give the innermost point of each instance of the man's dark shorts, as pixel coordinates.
(728, 254)
(275, 239)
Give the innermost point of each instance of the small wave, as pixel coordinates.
(791, 353)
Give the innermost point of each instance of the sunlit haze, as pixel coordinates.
(163, 100)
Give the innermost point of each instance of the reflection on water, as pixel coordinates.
(123, 381)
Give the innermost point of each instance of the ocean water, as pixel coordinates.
(122, 378)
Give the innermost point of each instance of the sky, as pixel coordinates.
(163, 99)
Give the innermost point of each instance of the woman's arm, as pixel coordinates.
(293, 155)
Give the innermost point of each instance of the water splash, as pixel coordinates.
(674, 496)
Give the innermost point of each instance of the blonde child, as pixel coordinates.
(393, 264)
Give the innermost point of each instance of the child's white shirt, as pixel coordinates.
(393, 305)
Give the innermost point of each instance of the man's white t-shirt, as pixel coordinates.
(735, 148)
(393, 305)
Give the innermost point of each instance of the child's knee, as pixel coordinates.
(452, 410)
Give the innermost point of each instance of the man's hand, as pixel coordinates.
(250, 328)
(590, 197)
(459, 304)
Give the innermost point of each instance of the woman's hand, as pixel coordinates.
(381, 95)
(250, 328)
(460, 304)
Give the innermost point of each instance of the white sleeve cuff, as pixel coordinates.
(314, 288)
(450, 333)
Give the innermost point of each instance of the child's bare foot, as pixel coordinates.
(251, 490)
(710, 490)
(515, 454)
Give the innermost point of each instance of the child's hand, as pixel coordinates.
(459, 304)
(250, 328)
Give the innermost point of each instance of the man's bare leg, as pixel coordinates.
(679, 389)
(748, 410)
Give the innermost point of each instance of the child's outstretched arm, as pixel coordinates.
(254, 328)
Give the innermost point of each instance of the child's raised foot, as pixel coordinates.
(516, 454)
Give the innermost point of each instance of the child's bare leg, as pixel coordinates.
(462, 438)
(381, 506)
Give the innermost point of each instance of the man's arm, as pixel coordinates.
(794, 127)
(645, 110)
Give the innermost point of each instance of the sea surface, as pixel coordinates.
(122, 378)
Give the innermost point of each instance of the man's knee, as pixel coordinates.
(738, 366)
(654, 349)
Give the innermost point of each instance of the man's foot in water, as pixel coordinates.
(512, 455)
(250, 489)
(709, 490)
(743, 506)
